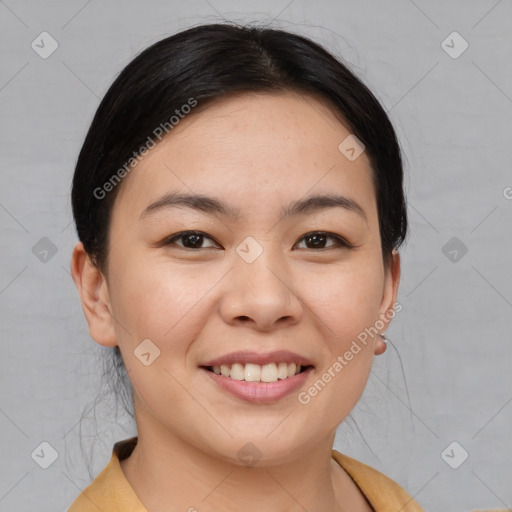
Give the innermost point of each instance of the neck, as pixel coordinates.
(165, 470)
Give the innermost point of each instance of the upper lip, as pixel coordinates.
(244, 357)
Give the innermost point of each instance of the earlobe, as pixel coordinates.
(93, 289)
(381, 345)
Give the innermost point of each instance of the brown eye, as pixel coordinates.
(189, 239)
(319, 239)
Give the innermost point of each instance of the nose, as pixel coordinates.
(261, 295)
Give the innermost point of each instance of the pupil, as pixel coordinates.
(316, 239)
(196, 240)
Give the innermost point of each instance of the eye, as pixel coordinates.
(190, 239)
(313, 240)
(318, 239)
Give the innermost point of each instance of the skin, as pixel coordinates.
(258, 153)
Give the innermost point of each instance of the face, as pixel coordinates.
(257, 269)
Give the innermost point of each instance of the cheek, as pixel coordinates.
(153, 300)
(348, 299)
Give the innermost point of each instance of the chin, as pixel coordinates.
(258, 451)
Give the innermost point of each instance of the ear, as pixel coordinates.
(389, 296)
(93, 289)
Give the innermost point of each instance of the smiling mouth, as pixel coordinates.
(250, 372)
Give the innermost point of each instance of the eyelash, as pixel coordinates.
(340, 242)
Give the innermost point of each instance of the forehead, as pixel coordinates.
(255, 149)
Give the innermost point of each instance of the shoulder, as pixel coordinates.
(110, 491)
(381, 491)
(96, 495)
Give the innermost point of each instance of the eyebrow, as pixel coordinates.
(213, 206)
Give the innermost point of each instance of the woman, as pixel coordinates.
(239, 205)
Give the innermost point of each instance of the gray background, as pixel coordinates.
(454, 333)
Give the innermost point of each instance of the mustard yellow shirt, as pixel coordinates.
(111, 492)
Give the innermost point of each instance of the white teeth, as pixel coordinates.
(282, 371)
(237, 371)
(269, 373)
(250, 372)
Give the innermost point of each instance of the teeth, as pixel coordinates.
(282, 371)
(237, 372)
(251, 372)
(269, 372)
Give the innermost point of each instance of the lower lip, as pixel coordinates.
(260, 392)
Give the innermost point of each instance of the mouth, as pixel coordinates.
(259, 378)
(265, 373)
